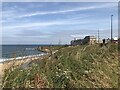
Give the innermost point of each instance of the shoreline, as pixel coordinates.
(19, 58)
(20, 62)
(24, 62)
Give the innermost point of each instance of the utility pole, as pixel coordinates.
(59, 43)
(111, 29)
(98, 36)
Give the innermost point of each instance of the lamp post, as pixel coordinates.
(111, 29)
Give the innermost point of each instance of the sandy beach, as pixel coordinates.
(20, 62)
(1, 64)
(14, 63)
(1, 73)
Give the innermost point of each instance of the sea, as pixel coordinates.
(18, 51)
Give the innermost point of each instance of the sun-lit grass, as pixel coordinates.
(74, 67)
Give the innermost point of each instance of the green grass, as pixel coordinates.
(74, 67)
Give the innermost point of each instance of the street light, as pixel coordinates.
(111, 29)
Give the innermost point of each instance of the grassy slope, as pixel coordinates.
(79, 66)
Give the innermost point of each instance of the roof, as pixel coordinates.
(90, 37)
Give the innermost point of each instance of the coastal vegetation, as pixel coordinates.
(85, 66)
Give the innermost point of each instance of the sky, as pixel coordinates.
(56, 22)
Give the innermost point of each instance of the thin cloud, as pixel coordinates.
(59, 1)
(45, 24)
(67, 11)
(13, 14)
(66, 23)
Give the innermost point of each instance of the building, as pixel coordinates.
(76, 42)
(90, 40)
(114, 40)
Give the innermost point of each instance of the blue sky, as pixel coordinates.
(51, 22)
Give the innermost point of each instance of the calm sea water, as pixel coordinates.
(11, 51)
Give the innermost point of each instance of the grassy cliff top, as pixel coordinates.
(88, 66)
